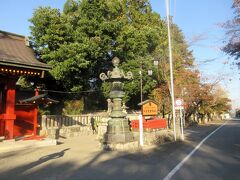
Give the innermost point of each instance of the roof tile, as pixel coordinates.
(15, 52)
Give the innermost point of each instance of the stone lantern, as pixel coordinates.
(118, 130)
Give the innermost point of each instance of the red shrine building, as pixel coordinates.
(17, 59)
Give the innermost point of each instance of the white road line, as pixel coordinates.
(174, 170)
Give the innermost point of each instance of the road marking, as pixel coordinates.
(174, 170)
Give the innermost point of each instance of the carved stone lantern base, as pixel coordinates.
(116, 138)
(118, 131)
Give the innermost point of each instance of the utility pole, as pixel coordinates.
(141, 83)
(171, 70)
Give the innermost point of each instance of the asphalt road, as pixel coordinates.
(218, 157)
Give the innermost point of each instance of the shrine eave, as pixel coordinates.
(16, 52)
(42, 67)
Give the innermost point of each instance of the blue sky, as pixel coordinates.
(199, 20)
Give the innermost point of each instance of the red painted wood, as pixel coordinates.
(24, 123)
(35, 118)
(26, 119)
(16, 122)
(2, 127)
(150, 124)
(9, 115)
(8, 133)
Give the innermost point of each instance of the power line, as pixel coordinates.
(62, 92)
(69, 92)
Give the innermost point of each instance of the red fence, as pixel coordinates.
(150, 124)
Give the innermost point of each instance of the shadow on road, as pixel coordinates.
(19, 172)
(104, 165)
(52, 156)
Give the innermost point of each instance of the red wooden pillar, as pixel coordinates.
(2, 127)
(10, 115)
(2, 110)
(35, 119)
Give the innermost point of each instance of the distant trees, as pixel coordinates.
(238, 113)
(233, 32)
(211, 99)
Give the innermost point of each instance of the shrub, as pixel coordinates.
(73, 107)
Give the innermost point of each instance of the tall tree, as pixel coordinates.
(76, 42)
(233, 26)
(81, 41)
(185, 76)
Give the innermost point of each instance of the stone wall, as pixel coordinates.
(69, 126)
(65, 132)
(55, 126)
(155, 137)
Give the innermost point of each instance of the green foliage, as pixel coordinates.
(43, 111)
(23, 82)
(237, 113)
(81, 41)
(73, 107)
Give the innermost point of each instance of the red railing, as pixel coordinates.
(154, 123)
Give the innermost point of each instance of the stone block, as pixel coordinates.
(119, 137)
(129, 146)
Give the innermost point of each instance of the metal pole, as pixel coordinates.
(184, 120)
(181, 121)
(183, 112)
(140, 130)
(141, 83)
(140, 116)
(171, 69)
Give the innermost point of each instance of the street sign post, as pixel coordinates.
(140, 129)
(181, 121)
(179, 105)
(149, 108)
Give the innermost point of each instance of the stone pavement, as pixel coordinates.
(81, 158)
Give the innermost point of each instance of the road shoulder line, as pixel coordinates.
(179, 165)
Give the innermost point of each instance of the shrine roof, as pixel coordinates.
(39, 99)
(16, 51)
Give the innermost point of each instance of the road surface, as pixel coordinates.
(217, 157)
